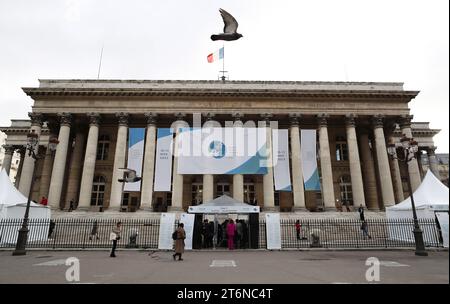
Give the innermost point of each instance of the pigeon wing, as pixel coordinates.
(231, 24)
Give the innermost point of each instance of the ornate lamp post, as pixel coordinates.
(410, 148)
(32, 144)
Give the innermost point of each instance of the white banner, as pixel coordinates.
(163, 166)
(443, 222)
(280, 152)
(273, 231)
(135, 156)
(188, 221)
(309, 160)
(166, 228)
(222, 151)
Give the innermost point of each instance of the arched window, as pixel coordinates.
(98, 190)
(345, 186)
(103, 147)
(341, 149)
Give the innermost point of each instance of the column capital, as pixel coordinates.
(9, 149)
(377, 121)
(322, 119)
(94, 118)
(208, 116)
(151, 118)
(122, 118)
(431, 150)
(237, 116)
(294, 118)
(405, 121)
(21, 150)
(65, 119)
(350, 120)
(180, 116)
(36, 118)
(266, 117)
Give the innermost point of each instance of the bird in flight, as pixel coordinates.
(229, 31)
(129, 176)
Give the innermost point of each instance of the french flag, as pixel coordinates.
(216, 56)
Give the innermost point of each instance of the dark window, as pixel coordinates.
(98, 191)
(345, 186)
(103, 147)
(341, 149)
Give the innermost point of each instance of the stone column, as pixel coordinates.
(413, 166)
(433, 162)
(387, 190)
(208, 179)
(355, 163)
(9, 151)
(297, 172)
(46, 172)
(119, 162)
(149, 162)
(397, 178)
(73, 181)
(59, 163)
(28, 161)
(21, 152)
(269, 193)
(177, 179)
(325, 163)
(87, 177)
(368, 170)
(238, 179)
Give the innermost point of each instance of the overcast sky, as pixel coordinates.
(321, 40)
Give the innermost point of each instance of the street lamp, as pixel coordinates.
(410, 148)
(32, 144)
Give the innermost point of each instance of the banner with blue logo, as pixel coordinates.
(309, 160)
(222, 151)
(135, 155)
(163, 166)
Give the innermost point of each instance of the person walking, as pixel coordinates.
(114, 237)
(365, 230)
(239, 233)
(94, 230)
(231, 231)
(51, 228)
(71, 205)
(361, 212)
(298, 228)
(179, 242)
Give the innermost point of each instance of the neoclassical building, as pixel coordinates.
(90, 118)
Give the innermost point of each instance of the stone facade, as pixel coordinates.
(355, 121)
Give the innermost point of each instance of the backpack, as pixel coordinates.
(174, 235)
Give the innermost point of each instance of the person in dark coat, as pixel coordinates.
(179, 243)
(51, 228)
(94, 231)
(361, 212)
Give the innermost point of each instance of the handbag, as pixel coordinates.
(112, 236)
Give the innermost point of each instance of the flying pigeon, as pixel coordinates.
(130, 176)
(229, 31)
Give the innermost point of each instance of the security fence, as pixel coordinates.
(144, 233)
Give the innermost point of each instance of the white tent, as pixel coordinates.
(430, 197)
(12, 209)
(224, 205)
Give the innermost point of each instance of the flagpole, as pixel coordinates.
(223, 62)
(100, 63)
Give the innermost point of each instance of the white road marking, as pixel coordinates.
(223, 263)
(392, 264)
(58, 262)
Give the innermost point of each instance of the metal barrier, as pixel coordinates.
(144, 233)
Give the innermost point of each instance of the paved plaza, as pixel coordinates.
(223, 267)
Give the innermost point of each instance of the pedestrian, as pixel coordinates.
(231, 231)
(361, 212)
(365, 230)
(71, 205)
(205, 233)
(210, 235)
(51, 228)
(298, 228)
(347, 206)
(94, 230)
(179, 242)
(114, 237)
(239, 233)
(44, 201)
